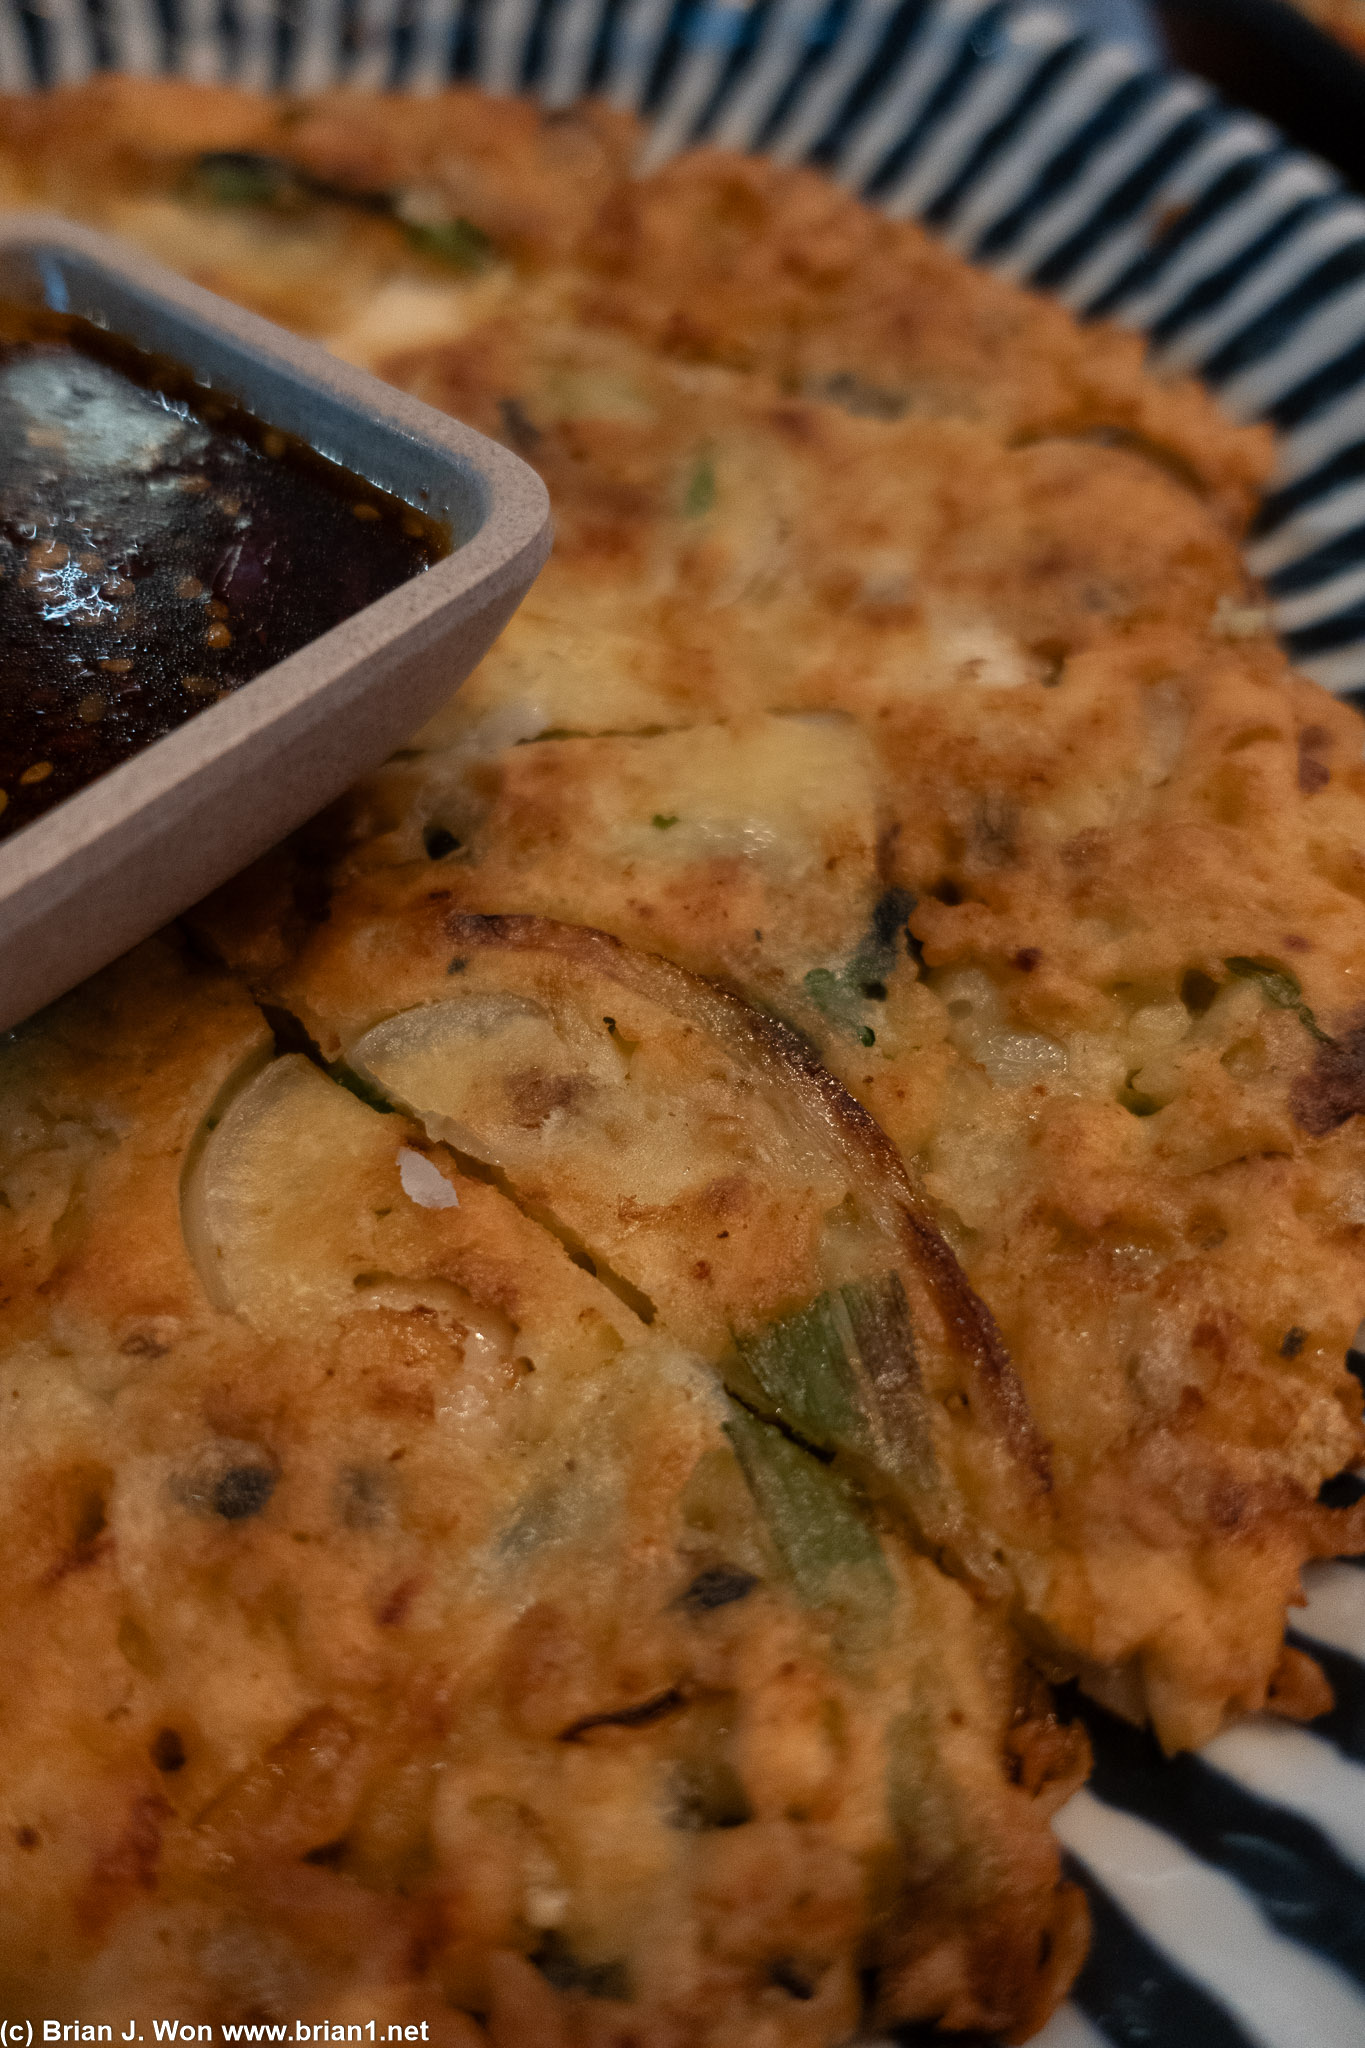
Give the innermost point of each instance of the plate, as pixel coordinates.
(1228, 1889)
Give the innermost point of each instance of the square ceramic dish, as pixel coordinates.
(111, 863)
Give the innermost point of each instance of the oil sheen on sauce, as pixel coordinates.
(159, 547)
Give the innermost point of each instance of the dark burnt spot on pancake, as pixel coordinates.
(1333, 1089)
(393, 1610)
(567, 1971)
(81, 1502)
(1211, 1336)
(642, 1715)
(891, 917)
(167, 1751)
(1197, 991)
(327, 1855)
(792, 1978)
(1342, 1490)
(151, 1342)
(718, 1586)
(534, 1096)
(242, 1492)
(707, 1794)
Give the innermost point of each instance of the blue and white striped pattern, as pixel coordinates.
(1228, 1890)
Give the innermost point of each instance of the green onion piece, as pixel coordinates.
(701, 489)
(231, 177)
(663, 819)
(824, 1541)
(923, 1803)
(1277, 984)
(456, 242)
(802, 1367)
(842, 1375)
(1280, 988)
(879, 1315)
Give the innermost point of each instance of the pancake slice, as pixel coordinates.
(648, 1117)
(400, 1623)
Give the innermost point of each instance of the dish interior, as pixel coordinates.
(42, 273)
(161, 548)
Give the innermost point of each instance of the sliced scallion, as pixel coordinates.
(879, 1315)
(802, 1366)
(1280, 988)
(235, 177)
(819, 1531)
(456, 242)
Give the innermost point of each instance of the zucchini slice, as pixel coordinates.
(697, 1156)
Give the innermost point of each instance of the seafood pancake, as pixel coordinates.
(893, 735)
(400, 1622)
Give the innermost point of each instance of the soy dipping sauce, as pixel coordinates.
(159, 547)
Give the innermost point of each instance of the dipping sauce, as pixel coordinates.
(159, 547)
